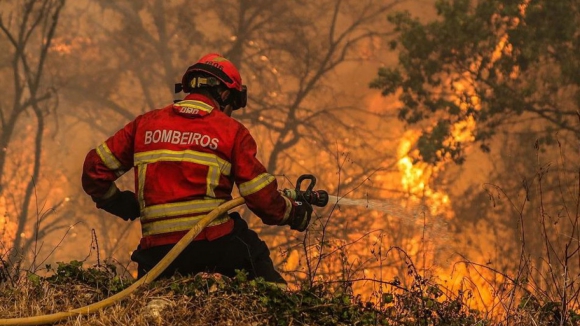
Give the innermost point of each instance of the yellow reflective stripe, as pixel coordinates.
(287, 211)
(112, 190)
(107, 157)
(178, 224)
(195, 105)
(183, 156)
(141, 173)
(213, 179)
(215, 166)
(256, 184)
(181, 208)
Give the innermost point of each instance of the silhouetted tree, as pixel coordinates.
(27, 31)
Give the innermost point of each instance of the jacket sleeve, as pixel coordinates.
(256, 185)
(107, 162)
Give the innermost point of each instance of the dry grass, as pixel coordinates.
(198, 300)
(153, 305)
(208, 299)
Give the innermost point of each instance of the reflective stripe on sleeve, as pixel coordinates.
(287, 211)
(181, 208)
(184, 156)
(256, 184)
(178, 224)
(112, 190)
(109, 159)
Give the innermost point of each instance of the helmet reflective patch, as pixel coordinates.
(219, 59)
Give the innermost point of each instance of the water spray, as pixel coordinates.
(416, 218)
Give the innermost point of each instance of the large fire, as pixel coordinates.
(416, 177)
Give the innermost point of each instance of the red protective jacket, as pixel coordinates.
(187, 157)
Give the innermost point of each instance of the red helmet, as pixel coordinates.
(217, 66)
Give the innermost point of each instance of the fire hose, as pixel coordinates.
(146, 279)
(312, 197)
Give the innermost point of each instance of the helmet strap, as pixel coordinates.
(216, 94)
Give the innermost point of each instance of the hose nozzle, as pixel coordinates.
(313, 197)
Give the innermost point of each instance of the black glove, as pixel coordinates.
(122, 204)
(300, 216)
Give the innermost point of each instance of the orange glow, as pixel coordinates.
(7, 228)
(64, 45)
(462, 131)
(292, 261)
(502, 47)
(414, 178)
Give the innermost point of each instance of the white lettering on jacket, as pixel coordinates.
(180, 138)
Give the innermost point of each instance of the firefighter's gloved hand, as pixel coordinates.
(122, 204)
(300, 216)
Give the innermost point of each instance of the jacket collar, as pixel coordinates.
(195, 105)
(202, 98)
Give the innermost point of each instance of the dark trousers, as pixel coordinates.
(242, 249)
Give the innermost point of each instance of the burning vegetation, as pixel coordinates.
(421, 227)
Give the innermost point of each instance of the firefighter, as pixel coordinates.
(186, 158)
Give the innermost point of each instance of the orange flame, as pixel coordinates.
(416, 176)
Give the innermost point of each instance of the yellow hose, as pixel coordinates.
(147, 278)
